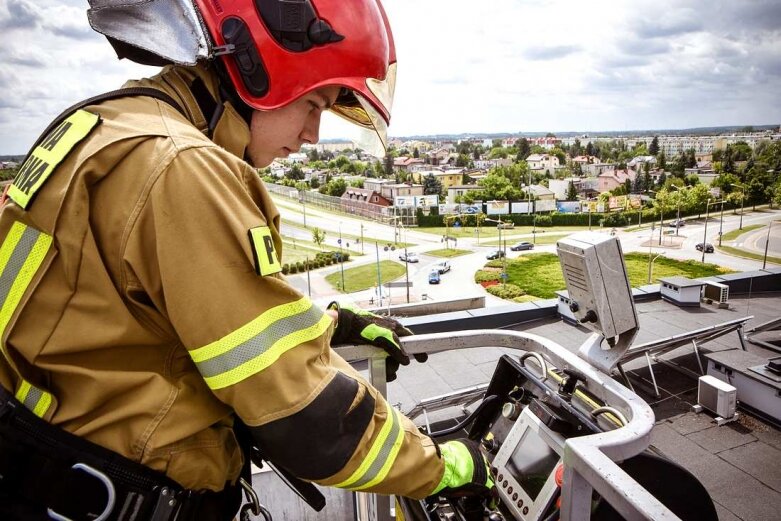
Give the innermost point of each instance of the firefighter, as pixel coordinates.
(145, 323)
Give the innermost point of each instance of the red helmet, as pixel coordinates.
(275, 51)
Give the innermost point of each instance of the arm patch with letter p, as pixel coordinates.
(264, 251)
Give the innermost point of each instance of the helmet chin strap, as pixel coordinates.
(228, 93)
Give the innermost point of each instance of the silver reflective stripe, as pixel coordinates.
(260, 343)
(382, 456)
(33, 397)
(17, 260)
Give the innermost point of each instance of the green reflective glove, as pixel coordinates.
(356, 325)
(466, 470)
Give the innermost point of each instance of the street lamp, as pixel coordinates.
(503, 249)
(678, 218)
(302, 200)
(742, 200)
(767, 243)
(651, 264)
(705, 232)
(341, 257)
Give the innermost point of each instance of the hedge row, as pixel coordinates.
(613, 219)
(321, 260)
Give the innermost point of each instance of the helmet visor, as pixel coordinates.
(372, 125)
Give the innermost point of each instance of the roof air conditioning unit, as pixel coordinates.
(717, 396)
(717, 293)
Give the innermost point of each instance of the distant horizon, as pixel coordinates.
(542, 133)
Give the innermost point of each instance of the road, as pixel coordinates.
(459, 281)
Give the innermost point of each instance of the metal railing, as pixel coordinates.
(589, 461)
(384, 214)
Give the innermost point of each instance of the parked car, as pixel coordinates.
(443, 267)
(409, 257)
(494, 254)
(523, 245)
(708, 247)
(676, 223)
(433, 277)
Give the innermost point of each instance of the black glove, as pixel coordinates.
(466, 470)
(358, 326)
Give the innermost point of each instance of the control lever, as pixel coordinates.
(567, 386)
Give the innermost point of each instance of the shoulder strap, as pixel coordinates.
(106, 96)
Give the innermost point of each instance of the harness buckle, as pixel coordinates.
(109, 488)
(251, 495)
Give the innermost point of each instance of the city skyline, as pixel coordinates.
(515, 67)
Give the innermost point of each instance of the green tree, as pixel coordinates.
(576, 149)
(497, 187)
(462, 160)
(590, 150)
(318, 237)
(337, 187)
(662, 180)
(524, 149)
(497, 153)
(559, 153)
(728, 161)
(653, 149)
(725, 182)
(741, 151)
(431, 185)
(661, 161)
(776, 194)
(416, 153)
(572, 192)
(388, 165)
(295, 173)
(313, 155)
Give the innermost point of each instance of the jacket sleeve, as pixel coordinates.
(260, 346)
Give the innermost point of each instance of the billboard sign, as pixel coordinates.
(498, 208)
(404, 201)
(520, 207)
(568, 206)
(548, 205)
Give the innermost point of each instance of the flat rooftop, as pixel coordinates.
(739, 463)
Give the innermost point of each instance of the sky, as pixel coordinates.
(493, 66)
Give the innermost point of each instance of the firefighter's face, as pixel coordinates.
(277, 133)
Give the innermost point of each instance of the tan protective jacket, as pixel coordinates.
(142, 305)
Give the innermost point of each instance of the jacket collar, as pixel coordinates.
(231, 131)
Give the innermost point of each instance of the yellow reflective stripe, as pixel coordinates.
(377, 463)
(21, 255)
(255, 346)
(9, 244)
(24, 389)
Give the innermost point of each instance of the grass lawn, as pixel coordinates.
(539, 274)
(355, 247)
(737, 252)
(734, 234)
(298, 250)
(492, 231)
(543, 238)
(365, 277)
(447, 252)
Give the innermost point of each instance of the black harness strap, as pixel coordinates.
(106, 96)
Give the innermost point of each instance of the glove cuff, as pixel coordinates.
(344, 320)
(464, 465)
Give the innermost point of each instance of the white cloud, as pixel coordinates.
(469, 67)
